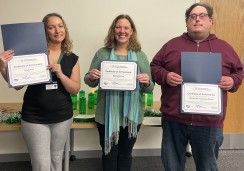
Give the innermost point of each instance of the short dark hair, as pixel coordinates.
(208, 7)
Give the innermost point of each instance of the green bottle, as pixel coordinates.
(95, 97)
(144, 99)
(82, 93)
(74, 101)
(150, 99)
(82, 102)
(82, 106)
(91, 100)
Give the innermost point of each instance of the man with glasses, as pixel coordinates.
(203, 131)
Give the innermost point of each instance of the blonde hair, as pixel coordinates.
(66, 45)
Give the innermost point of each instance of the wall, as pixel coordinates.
(88, 20)
(229, 27)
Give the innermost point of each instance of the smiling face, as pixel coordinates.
(55, 29)
(122, 32)
(198, 23)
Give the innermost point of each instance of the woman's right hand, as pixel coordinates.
(94, 74)
(5, 57)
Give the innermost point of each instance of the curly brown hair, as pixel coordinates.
(110, 41)
(66, 44)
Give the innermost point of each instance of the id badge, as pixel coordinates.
(52, 86)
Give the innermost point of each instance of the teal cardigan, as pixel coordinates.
(104, 54)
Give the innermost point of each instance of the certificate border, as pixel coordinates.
(119, 88)
(202, 113)
(31, 83)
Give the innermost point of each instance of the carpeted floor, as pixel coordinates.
(229, 160)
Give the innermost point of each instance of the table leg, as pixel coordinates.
(66, 154)
(72, 137)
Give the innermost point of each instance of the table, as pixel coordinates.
(69, 145)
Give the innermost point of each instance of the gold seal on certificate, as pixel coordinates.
(28, 69)
(118, 75)
(201, 99)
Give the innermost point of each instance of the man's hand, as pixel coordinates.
(174, 79)
(226, 83)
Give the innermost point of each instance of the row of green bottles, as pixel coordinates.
(90, 105)
(81, 100)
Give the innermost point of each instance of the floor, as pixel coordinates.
(229, 160)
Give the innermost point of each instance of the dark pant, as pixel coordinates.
(205, 143)
(120, 156)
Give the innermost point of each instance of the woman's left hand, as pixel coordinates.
(144, 79)
(56, 68)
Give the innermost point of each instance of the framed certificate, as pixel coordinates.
(28, 69)
(118, 75)
(201, 99)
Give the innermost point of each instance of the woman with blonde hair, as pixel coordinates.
(47, 112)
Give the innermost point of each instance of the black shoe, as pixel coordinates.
(188, 154)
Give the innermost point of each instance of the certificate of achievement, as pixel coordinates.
(201, 99)
(118, 75)
(29, 65)
(28, 69)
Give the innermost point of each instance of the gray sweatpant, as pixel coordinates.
(45, 143)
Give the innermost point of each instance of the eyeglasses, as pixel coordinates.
(201, 16)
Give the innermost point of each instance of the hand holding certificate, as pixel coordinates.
(118, 75)
(29, 65)
(200, 93)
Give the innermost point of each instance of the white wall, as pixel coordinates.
(88, 21)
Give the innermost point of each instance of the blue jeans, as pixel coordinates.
(205, 143)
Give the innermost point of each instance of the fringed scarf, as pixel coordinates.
(129, 115)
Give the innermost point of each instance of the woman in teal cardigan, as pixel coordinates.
(119, 114)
